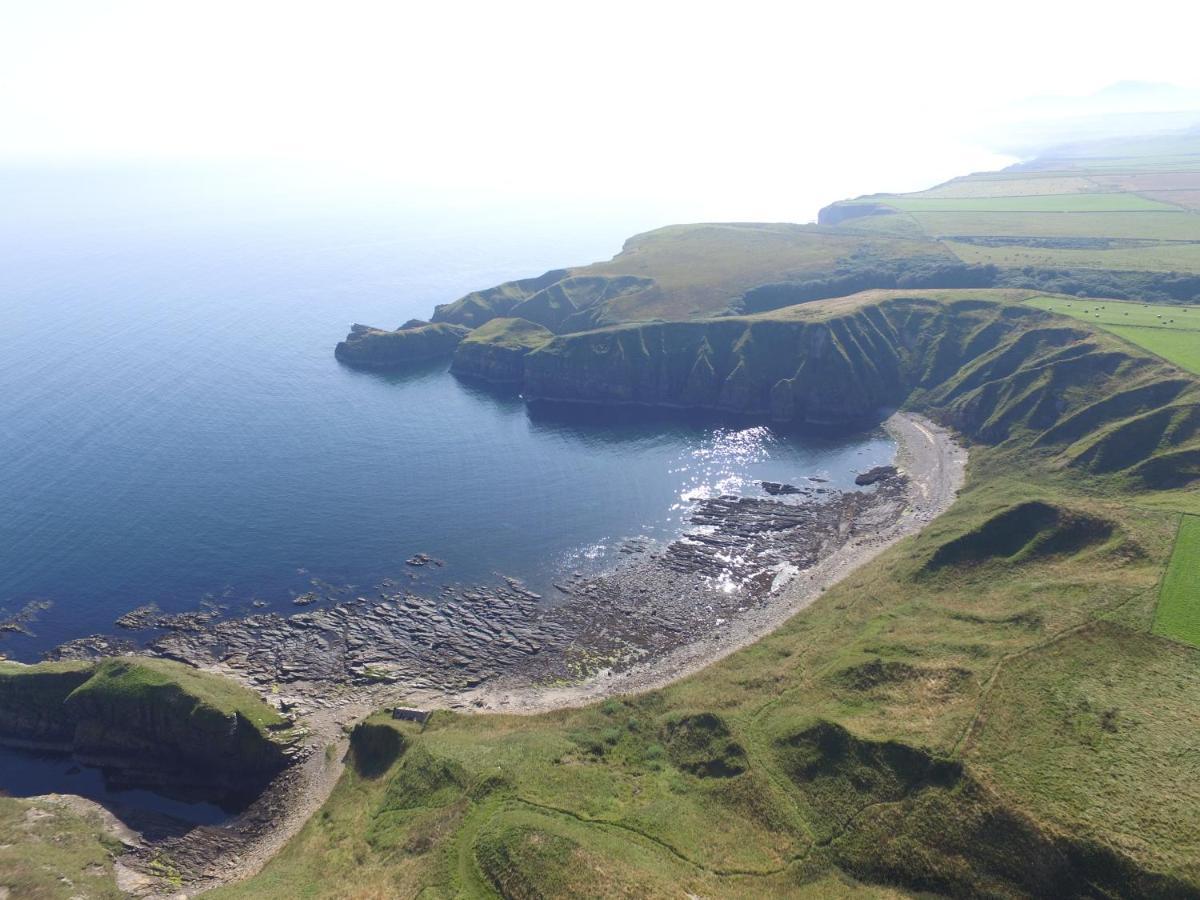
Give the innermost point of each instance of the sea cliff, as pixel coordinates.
(496, 351)
(376, 348)
(147, 721)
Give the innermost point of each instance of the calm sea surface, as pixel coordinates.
(174, 427)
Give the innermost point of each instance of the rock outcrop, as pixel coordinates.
(843, 211)
(496, 352)
(147, 721)
(376, 348)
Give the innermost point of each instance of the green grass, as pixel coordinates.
(1178, 614)
(1174, 225)
(1015, 185)
(1172, 332)
(1164, 257)
(1066, 202)
(55, 851)
(512, 334)
(700, 268)
(132, 680)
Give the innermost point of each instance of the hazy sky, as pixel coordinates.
(761, 108)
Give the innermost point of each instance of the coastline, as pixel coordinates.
(927, 454)
(935, 465)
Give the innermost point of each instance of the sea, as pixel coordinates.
(175, 430)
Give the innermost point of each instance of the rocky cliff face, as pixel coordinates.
(151, 721)
(375, 348)
(837, 213)
(496, 352)
(843, 370)
(995, 371)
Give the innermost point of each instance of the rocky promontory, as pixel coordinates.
(147, 722)
(377, 348)
(496, 352)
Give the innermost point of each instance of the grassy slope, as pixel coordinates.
(1056, 202)
(1178, 613)
(701, 268)
(1171, 332)
(49, 851)
(509, 333)
(940, 720)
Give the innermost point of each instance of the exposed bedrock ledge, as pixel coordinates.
(376, 348)
(150, 721)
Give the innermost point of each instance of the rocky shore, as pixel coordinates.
(736, 552)
(743, 565)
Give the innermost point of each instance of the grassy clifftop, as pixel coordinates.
(151, 717)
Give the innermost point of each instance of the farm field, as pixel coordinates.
(1060, 202)
(1015, 185)
(1178, 613)
(1167, 257)
(1170, 225)
(1172, 332)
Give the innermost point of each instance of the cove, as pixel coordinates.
(175, 432)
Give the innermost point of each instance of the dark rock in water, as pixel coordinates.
(817, 479)
(19, 623)
(775, 488)
(150, 616)
(879, 473)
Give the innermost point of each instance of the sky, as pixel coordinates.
(737, 110)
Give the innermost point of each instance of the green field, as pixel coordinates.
(1164, 257)
(1065, 202)
(1015, 185)
(1175, 225)
(1178, 614)
(1172, 332)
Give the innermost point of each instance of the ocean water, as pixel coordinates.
(174, 428)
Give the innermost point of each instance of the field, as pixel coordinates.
(701, 268)
(1172, 332)
(1064, 202)
(1148, 257)
(1178, 613)
(1175, 225)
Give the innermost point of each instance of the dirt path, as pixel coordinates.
(927, 455)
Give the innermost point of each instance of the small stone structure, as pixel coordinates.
(405, 714)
